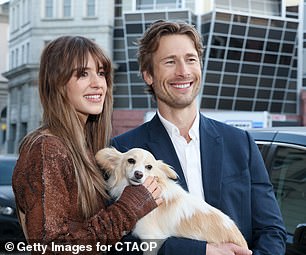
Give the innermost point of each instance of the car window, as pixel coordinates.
(288, 176)
(6, 171)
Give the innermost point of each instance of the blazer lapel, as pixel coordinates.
(211, 161)
(161, 146)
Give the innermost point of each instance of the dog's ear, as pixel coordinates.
(167, 170)
(108, 158)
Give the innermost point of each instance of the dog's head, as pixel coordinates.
(132, 167)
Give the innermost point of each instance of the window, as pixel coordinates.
(288, 176)
(49, 9)
(91, 8)
(67, 8)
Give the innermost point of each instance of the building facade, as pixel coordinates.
(4, 24)
(29, 32)
(253, 59)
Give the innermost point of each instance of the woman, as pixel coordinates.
(60, 192)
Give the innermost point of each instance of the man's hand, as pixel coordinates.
(226, 249)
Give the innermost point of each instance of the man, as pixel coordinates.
(214, 161)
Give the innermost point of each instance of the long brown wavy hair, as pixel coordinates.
(60, 58)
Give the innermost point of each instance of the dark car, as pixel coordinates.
(10, 228)
(284, 152)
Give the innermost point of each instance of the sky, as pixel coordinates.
(3, 1)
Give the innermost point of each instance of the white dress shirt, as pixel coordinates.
(188, 154)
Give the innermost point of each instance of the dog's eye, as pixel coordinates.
(149, 167)
(131, 161)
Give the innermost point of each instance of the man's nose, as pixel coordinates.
(182, 69)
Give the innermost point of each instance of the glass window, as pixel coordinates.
(280, 83)
(214, 65)
(234, 55)
(212, 78)
(283, 71)
(238, 30)
(228, 92)
(290, 36)
(229, 79)
(210, 90)
(257, 32)
(91, 8)
(137, 90)
(263, 94)
(244, 92)
(208, 102)
(221, 28)
(49, 9)
(261, 106)
(120, 78)
(141, 102)
(178, 15)
(236, 43)
(134, 28)
(266, 82)
(67, 8)
(269, 58)
(121, 102)
(287, 47)
(252, 57)
(272, 46)
(253, 69)
(121, 90)
(248, 80)
(268, 70)
(276, 107)
(278, 95)
(254, 44)
(133, 65)
(226, 104)
(231, 67)
(288, 176)
(275, 34)
(243, 105)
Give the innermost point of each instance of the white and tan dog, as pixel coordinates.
(180, 215)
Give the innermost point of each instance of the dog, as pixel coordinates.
(181, 214)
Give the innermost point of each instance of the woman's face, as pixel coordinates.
(87, 93)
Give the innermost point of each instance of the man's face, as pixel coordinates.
(176, 79)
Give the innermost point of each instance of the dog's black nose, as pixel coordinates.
(138, 174)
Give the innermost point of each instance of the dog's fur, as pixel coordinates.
(181, 214)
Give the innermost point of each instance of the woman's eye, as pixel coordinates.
(149, 167)
(84, 74)
(101, 73)
(131, 161)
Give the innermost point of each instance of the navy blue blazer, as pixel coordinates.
(235, 180)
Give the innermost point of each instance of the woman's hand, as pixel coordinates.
(153, 187)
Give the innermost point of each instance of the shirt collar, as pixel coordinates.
(172, 130)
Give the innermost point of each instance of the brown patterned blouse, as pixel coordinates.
(46, 193)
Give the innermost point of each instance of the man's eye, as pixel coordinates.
(149, 167)
(170, 62)
(192, 60)
(131, 161)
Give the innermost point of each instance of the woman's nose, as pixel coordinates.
(95, 81)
